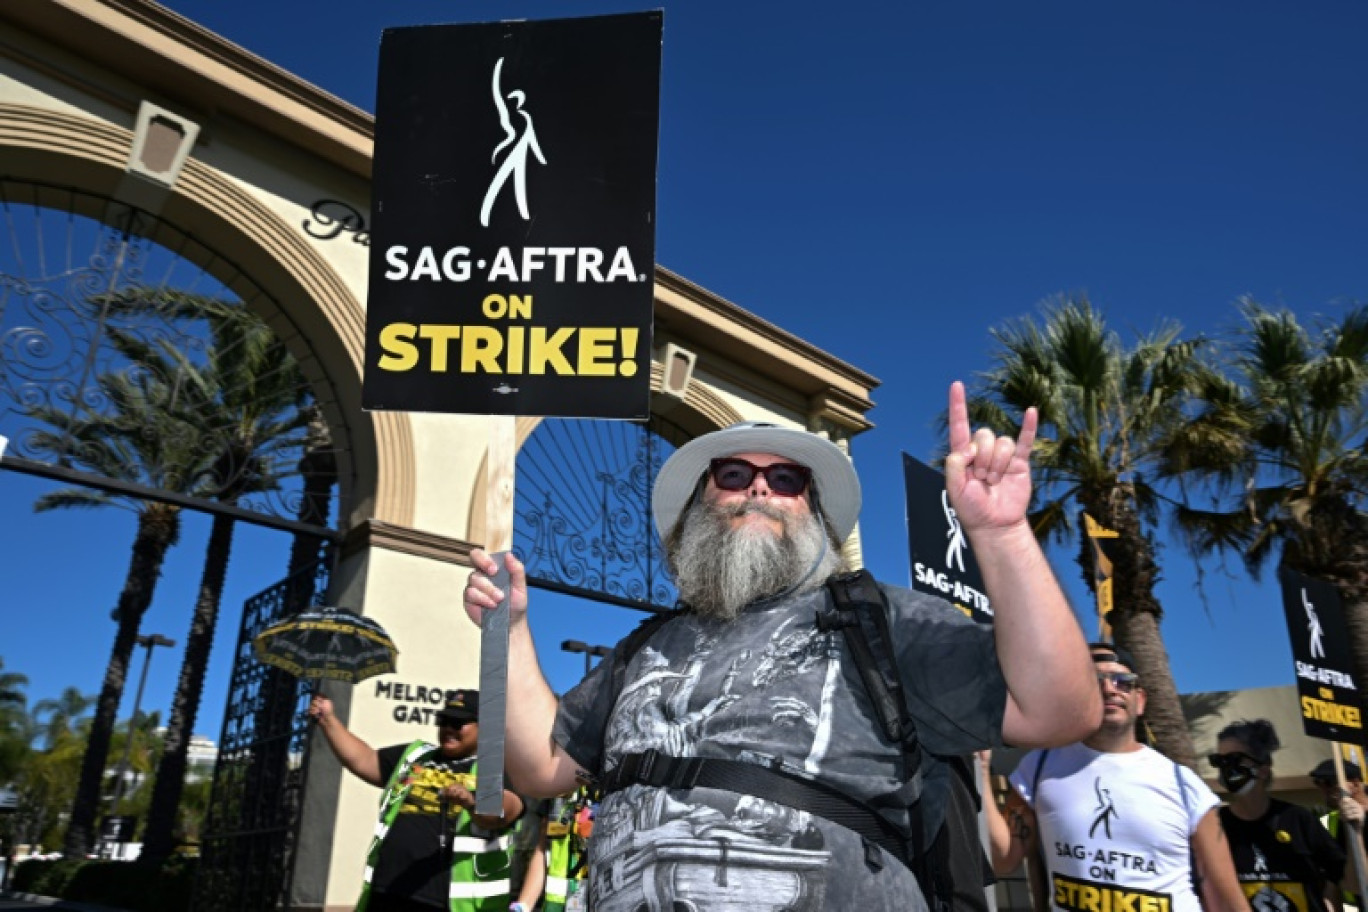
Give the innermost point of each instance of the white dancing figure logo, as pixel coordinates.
(1313, 628)
(954, 552)
(515, 161)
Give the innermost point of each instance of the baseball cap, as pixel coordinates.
(1325, 770)
(833, 476)
(461, 706)
(1111, 652)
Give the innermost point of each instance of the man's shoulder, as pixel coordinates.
(923, 605)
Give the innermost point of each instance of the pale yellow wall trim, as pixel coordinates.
(187, 63)
(712, 407)
(41, 144)
(377, 534)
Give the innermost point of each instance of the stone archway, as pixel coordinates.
(321, 319)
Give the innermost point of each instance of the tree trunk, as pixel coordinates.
(159, 837)
(158, 529)
(1135, 620)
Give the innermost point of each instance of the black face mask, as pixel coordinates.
(1236, 779)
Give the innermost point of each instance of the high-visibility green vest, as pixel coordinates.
(480, 864)
(562, 858)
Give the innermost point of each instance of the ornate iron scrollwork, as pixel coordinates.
(124, 360)
(251, 831)
(584, 523)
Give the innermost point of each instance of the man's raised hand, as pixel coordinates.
(482, 595)
(987, 477)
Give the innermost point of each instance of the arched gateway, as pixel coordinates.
(125, 106)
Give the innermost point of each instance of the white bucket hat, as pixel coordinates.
(838, 488)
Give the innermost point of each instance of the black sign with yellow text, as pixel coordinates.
(1327, 692)
(942, 563)
(512, 252)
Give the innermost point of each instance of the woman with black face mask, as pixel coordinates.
(1285, 859)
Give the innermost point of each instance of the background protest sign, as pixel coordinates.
(942, 563)
(1104, 543)
(1327, 691)
(513, 218)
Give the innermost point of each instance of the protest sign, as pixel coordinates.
(1104, 542)
(512, 267)
(1328, 694)
(513, 218)
(942, 563)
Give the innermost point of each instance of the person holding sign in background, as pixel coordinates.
(429, 851)
(1285, 859)
(727, 734)
(1346, 813)
(1117, 824)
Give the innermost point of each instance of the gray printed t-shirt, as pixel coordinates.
(770, 685)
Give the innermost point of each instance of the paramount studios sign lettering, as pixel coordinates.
(417, 703)
(512, 269)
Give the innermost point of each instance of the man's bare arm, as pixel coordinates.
(1053, 698)
(356, 755)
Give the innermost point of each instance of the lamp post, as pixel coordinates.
(150, 641)
(577, 646)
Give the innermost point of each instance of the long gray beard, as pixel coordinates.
(721, 570)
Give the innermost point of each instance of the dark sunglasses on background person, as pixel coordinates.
(1123, 681)
(786, 479)
(1239, 758)
(454, 723)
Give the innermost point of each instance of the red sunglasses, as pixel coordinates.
(785, 479)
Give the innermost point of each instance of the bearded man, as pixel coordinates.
(742, 759)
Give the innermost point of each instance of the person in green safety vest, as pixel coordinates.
(557, 870)
(430, 850)
(1345, 805)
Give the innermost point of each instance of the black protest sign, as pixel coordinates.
(942, 563)
(512, 251)
(1326, 689)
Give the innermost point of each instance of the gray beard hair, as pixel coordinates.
(720, 570)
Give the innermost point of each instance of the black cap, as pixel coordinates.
(1325, 770)
(461, 706)
(1118, 654)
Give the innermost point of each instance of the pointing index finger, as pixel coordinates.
(1026, 439)
(959, 418)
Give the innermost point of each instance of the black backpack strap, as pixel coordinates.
(771, 783)
(1040, 768)
(860, 611)
(1195, 875)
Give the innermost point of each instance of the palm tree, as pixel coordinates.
(63, 713)
(15, 730)
(1280, 448)
(136, 441)
(248, 399)
(1105, 414)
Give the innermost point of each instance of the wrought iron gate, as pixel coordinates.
(583, 504)
(112, 319)
(247, 852)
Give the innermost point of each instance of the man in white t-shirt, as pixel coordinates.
(1117, 826)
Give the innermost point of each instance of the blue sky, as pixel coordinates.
(888, 181)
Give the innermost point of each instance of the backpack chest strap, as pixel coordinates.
(770, 783)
